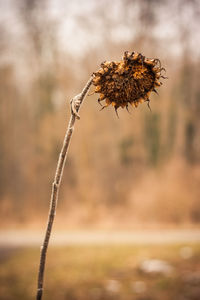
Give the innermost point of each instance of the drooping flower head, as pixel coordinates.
(130, 80)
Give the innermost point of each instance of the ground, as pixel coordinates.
(102, 272)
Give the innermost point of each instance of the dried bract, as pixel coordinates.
(130, 80)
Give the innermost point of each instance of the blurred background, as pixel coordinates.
(141, 171)
(144, 166)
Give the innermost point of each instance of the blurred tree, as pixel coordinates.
(152, 137)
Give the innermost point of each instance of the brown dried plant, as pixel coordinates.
(130, 80)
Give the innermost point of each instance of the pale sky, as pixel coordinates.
(76, 36)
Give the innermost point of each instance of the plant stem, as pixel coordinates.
(76, 102)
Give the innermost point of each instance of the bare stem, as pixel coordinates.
(75, 106)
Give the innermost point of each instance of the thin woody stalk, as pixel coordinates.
(75, 106)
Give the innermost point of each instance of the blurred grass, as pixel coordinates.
(100, 272)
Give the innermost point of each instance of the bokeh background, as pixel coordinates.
(144, 166)
(139, 171)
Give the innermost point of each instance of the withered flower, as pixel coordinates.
(130, 80)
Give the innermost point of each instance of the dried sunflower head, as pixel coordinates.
(130, 80)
